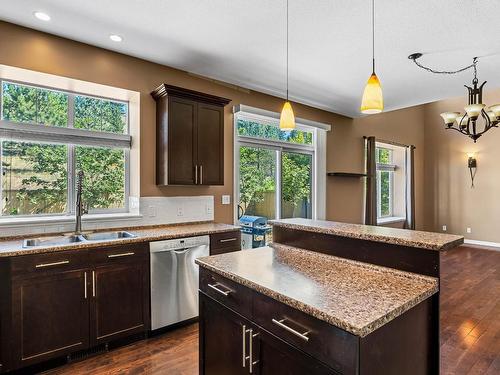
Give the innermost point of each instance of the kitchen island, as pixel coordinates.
(318, 309)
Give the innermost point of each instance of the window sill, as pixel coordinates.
(64, 219)
(390, 220)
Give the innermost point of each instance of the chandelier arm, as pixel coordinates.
(414, 57)
(458, 130)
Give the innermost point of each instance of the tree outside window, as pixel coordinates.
(34, 177)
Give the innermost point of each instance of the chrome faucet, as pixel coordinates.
(80, 209)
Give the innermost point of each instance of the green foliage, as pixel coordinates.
(258, 176)
(384, 156)
(296, 177)
(100, 115)
(272, 132)
(34, 105)
(46, 186)
(257, 165)
(39, 171)
(104, 177)
(257, 173)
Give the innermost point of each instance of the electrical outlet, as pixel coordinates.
(208, 209)
(151, 211)
(469, 230)
(444, 228)
(226, 199)
(180, 211)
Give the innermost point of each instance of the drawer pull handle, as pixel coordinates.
(85, 285)
(251, 361)
(52, 264)
(120, 255)
(244, 331)
(215, 287)
(280, 323)
(228, 239)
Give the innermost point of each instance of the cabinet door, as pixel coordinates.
(182, 151)
(210, 144)
(50, 316)
(221, 339)
(274, 356)
(119, 301)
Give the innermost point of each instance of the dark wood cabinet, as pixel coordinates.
(50, 316)
(232, 345)
(120, 298)
(275, 356)
(67, 301)
(221, 357)
(190, 137)
(225, 242)
(237, 322)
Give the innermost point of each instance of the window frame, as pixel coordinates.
(279, 147)
(71, 137)
(385, 167)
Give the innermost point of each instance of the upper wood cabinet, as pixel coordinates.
(189, 137)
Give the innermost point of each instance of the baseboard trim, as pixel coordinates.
(483, 243)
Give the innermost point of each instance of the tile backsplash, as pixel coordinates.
(143, 211)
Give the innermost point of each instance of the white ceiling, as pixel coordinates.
(243, 42)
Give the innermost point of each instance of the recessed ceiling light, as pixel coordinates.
(42, 16)
(115, 38)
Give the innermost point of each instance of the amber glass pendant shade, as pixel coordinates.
(373, 100)
(287, 118)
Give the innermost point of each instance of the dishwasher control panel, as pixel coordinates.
(179, 243)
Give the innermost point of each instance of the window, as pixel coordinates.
(47, 136)
(391, 181)
(385, 182)
(274, 169)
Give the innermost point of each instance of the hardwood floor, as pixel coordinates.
(470, 311)
(173, 353)
(470, 328)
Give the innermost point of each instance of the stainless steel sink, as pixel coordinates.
(107, 236)
(52, 241)
(74, 238)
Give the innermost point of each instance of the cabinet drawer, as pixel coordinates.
(225, 242)
(329, 344)
(230, 294)
(119, 253)
(59, 261)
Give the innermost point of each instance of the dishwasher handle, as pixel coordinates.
(184, 250)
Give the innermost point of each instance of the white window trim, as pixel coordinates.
(394, 167)
(385, 167)
(317, 150)
(59, 83)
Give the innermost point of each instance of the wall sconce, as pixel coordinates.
(472, 165)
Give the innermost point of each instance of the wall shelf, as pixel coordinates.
(346, 174)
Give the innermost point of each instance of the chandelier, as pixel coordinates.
(477, 119)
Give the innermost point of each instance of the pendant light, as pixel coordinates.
(287, 118)
(373, 100)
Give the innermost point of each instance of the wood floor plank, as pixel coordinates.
(470, 328)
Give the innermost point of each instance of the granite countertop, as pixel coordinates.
(404, 237)
(14, 246)
(356, 297)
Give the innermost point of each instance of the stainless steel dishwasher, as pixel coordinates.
(174, 279)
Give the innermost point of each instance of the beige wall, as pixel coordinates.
(450, 200)
(345, 153)
(29, 49)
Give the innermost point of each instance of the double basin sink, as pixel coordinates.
(76, 238)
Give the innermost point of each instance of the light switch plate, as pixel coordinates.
(226, 199)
